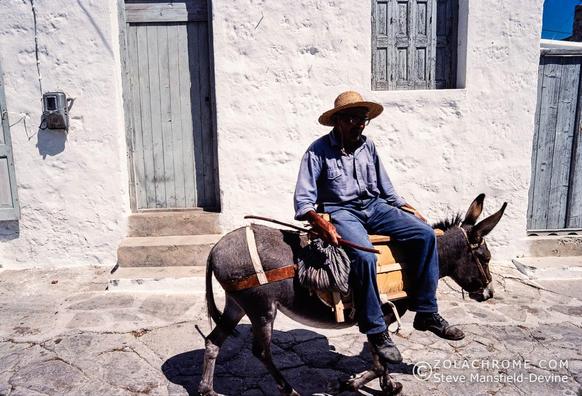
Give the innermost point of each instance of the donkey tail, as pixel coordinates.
(213, 311)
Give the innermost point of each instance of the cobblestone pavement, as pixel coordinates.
(61, 333)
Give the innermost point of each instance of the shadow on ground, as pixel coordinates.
(306, 359)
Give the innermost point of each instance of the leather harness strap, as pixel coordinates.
(260, 277)
(474, 246)
(256, 260)
(274, 275)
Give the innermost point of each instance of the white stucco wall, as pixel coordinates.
(278, 65)
(73, 193)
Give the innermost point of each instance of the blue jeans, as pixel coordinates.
(354, 221)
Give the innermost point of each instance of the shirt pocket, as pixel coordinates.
(335, 177)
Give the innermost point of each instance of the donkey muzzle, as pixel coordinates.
(483, 294)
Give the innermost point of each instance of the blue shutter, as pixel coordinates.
(414, 44)
(382, 45)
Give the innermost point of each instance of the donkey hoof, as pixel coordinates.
(391, 388)
(205, 391)
(396, 388)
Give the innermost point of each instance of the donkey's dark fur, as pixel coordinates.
(229, 260)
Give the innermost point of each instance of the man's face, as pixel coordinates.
(351, 124)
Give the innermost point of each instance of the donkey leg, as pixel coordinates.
(388, 385)
(231, 316)
(262, 335)
(359, 380)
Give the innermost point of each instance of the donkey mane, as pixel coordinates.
(454, 221)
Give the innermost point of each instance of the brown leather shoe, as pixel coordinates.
(385, 347)
(424, 321)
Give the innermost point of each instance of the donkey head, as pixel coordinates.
(472, 269)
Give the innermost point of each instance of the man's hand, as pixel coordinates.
(416, 213)
(323, 227)
(420, 216)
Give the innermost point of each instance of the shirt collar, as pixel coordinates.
(336, 143)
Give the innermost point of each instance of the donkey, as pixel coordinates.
(463, 255)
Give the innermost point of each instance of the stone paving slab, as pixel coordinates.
(61, 333)
(550, 268)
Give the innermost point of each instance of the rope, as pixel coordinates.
(462, 292)
(398, 321)
(322, 266)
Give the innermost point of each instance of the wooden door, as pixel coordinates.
(168, 73)
(555, 196)
(9, 207)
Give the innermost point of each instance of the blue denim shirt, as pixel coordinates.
(328, 176)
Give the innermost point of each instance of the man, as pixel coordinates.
(342, 172)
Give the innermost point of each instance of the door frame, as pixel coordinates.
(127, 105)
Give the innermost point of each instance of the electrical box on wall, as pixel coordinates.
(55, 112)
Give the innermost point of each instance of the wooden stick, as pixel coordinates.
(341, 241)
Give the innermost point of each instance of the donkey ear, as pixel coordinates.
(485, 226)
(474, 210)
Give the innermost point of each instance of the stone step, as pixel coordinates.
(166, 223)
(188, 280)
(165, 251)
(558, 246)
(550, 268)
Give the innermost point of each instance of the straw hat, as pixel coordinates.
(348, 100)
